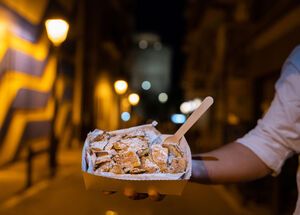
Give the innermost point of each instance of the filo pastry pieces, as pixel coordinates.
(136, 151)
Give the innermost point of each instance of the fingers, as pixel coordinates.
(152, 194)
(155, 196)
(140, 196)
(131, 194)
(108, 192)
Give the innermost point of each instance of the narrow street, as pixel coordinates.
(66, 194)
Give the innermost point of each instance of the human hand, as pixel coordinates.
(152, 194)
(132, 194)
(199, 170)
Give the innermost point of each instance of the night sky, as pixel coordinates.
(165, 18)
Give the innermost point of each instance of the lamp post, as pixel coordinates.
(120, 87)
(57, 31)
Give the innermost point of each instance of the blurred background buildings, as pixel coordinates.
(168, 52)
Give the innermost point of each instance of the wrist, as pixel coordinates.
(199, 172)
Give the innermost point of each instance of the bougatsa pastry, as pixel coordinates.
(134, 152)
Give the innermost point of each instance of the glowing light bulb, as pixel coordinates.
(120, 86)
(57, 30)
(133, 99)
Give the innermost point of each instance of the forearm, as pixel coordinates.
(229, 164)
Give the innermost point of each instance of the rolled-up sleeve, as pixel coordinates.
(277, 135)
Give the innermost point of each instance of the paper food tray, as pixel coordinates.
(164, 183)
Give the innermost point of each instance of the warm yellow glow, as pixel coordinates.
(38, 50)
(61, 118)
(10, 83)
(32, 11)
(106, 104)
(133, 99)
(59, 87)
(57, 30)
(125, 105)
(233, 119)
(13, 81)
(17, 126)
(3, 38)
(121, 87)
(110, 212)
(3, 29)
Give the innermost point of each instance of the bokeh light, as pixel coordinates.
(110, 212)
(120, 87)
(190, 106)
(185, 107)
(143, 44)
(133, 99)
(57, 30)
(163, 97)
(146, 85)
(178, 118)
(125, 116)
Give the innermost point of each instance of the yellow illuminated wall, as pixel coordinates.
(27, 74)
(106, 104)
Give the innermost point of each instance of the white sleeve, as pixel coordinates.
(277, 134)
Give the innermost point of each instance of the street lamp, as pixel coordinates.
(120, 87)
(133, 99)
(57, 31)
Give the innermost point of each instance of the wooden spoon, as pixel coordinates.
(206, 103)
